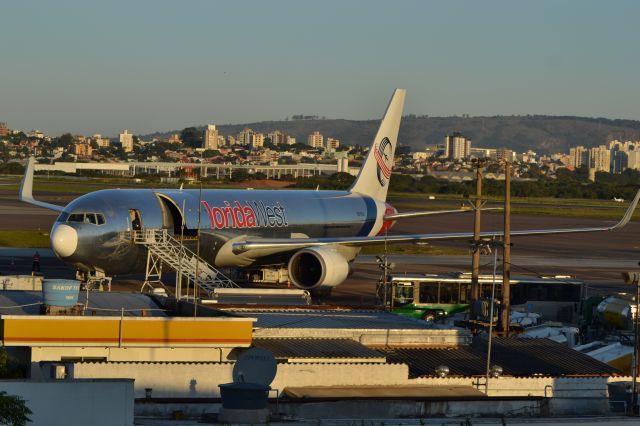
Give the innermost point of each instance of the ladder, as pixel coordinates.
(162, 248)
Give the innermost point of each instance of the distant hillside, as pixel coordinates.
(545, 134)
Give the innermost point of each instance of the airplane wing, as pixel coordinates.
(405, 215)
(277, 245)
(26, 189)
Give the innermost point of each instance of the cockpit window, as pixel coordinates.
(92, 218)
(76, 217)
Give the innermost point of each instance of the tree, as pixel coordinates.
(267, 144)
(12, 168)
(239, 176)
(65, 141)
(191, 137)
(13, 410)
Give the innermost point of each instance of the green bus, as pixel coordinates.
(432, 297)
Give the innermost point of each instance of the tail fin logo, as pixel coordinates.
(383, 154)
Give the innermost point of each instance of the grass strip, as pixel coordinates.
(414, 249)
(24, 238)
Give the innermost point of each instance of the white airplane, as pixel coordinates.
(618, 200)
(316, 234)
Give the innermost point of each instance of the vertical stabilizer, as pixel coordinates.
(26, 188)
(373, 178)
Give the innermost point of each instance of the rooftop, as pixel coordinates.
(517, 357)
(330, 318)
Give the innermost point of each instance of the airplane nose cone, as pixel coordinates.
(64, 240)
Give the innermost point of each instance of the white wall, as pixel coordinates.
(202, 380)
(75, 402)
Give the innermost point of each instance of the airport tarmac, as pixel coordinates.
(598, 258)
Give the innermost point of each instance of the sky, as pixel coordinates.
(102, 66)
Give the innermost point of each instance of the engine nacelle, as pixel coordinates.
(315, 267)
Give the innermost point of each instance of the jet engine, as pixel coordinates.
(315, 267)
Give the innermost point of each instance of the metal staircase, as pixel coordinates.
(162, 249)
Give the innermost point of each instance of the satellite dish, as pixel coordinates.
(256, 365)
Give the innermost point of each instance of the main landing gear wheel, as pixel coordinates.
(430, 316)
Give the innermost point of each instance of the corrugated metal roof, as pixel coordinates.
(517, 357)
(316, 348)
(345, 319)
(20, 302)
(100, 303)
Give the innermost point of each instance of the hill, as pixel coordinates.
(544, 134)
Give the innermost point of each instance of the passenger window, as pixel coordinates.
(429, 292)
(448, 293)
(100, 218)
(76, 217)
(404, 294)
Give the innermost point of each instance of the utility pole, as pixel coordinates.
(633, 278)
(475, 260)
(506, 251)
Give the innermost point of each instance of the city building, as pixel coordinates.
(83, 149)
(633, 157)
(528, 157)
(315, 140)
(600, 158)
(126, 140)
(457, 147)
(102, 142)
(257, 140)
(245, 137)
(35, 134)
(291, 140)
(277, 137)
(4, 130)
(432, 150)
(504, 154)
(420, 155)
(174, 138)
(578, 156)
(332, 143)
(483, 152)
(210, 139)
(618, 160)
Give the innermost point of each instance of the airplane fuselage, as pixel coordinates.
(104, 243)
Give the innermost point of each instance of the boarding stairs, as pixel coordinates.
(162, 248)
